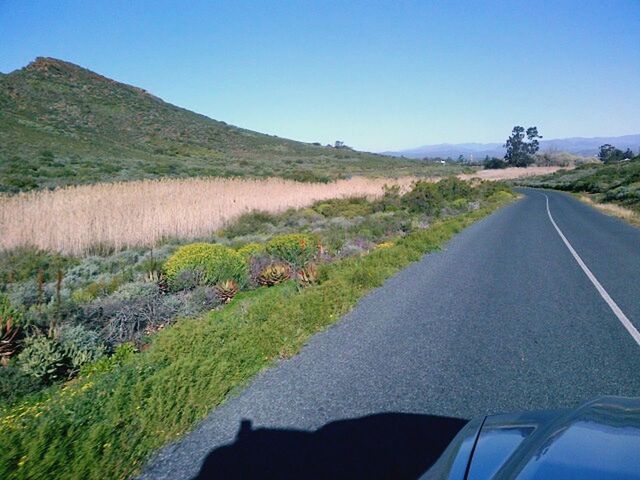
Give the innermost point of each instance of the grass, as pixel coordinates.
(106, 425)
(74, 220)
(61, 124)
(612, 209)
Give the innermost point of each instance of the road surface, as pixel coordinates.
(503, 319)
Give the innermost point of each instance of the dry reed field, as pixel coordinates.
(511, 173)
(120, 215)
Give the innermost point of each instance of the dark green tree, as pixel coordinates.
(520, 152)
(610, 154)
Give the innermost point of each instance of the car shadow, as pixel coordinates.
(384, 446)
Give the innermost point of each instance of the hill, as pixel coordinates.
(614, 183)
(577, 146)
(63, 124)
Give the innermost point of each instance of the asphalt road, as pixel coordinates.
(502, 319)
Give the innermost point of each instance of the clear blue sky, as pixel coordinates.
(378, 75)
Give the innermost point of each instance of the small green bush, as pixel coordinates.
(460, 203)
(500, 196)
(42, 358)
(390, 201)
(22, 264)
(212, 263)
(250, 250)
(249, 224)
(80, 345)
(298, 249)
(122, 353)
(452, 188)
(424, 197)
(345, 207)
(15, 384)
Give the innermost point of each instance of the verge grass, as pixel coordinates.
(106, 425)
(612, 209)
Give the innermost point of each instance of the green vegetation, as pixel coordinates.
(615, 182)
(298, 249)
(65, 313)
(204, 264)
(610, 154)
(61, 124)
(121, 408)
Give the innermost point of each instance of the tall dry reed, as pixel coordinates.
(118, 215)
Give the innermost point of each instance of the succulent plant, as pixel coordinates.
(308, 275)
(8, 340)
(42, 358)
(226, 290)
(274, 274)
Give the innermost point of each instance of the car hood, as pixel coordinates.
(600, 439)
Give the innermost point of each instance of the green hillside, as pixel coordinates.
(615, 183)
(62, 124)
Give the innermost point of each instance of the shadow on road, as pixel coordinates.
(386, 445)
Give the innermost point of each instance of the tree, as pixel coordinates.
(520, 153)
(610, 154)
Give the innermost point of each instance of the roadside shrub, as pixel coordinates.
(250, 223)
(196, 301)
(424, 197)
(106, 285)
(296, 249)
(25, 293)
(487, 188)
(15, 384)
(383, 224)
(345, 207)
(356, 247)
(452, 188)
(250, 250)
(20, 264)
(460, 204)
(500, 196)
(80, 345)
(390, 201)
(210, 263)
(42, 358)
(125, 314)
(187, 280)
(121, 354)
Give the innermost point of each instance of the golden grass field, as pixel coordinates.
(511, 173)
(74, 219)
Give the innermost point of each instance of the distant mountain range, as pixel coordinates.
(576, 145)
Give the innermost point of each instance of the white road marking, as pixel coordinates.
(603, 293)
